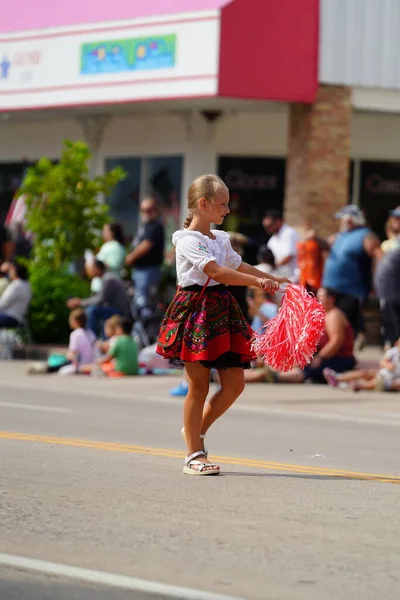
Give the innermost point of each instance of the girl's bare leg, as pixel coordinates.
(198, 378)
(232, 385)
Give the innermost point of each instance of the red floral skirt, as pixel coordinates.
(213, 332)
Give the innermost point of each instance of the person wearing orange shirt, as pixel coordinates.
(311, 253)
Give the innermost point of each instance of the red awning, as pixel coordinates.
(269, 50)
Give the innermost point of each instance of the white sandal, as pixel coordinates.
(204, 468)
(202, 436)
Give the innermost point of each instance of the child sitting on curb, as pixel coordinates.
(81, 349)
(262, 308)
(385, 379)
(122, 356)
(110, 328)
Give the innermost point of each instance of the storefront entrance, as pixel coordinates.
(379, 192)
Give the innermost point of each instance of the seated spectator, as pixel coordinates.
(14, 301)
(335, 351)
(4, 281)
(239, 291)
(81, 349)
(385, 379)
(262, 308)
(82, 342)
(122, 356)
(110, 328)
(112, 253)
(266, 260)
(267, 264)
(112, 299)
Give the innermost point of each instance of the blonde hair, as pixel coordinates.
(112, 323)
(205, 186)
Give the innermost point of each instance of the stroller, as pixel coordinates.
(147, 313)
(146, 322)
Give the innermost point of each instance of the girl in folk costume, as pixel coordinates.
(203, 327)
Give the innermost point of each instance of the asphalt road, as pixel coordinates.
(91, 478)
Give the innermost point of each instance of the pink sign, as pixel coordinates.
(26, 15)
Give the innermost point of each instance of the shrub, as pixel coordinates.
(65, 216)
(48, 317)
(63, 209)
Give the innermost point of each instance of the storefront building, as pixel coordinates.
(255, 90)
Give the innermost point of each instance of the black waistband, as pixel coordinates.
(210, 288)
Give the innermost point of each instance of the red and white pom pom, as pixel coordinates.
(292, 336)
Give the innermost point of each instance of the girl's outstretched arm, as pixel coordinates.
(249, 270)
(231, 277)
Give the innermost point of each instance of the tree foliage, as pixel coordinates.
(63, 209)
(65, 216)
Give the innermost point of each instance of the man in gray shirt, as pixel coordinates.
(112, 299)
(387, 286)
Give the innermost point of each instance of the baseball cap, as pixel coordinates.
(351, 210)
(395, 212)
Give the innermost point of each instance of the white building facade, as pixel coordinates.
(169, 96)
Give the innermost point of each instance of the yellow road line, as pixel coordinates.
(167, 453)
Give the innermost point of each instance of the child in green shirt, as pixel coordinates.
(122, 356)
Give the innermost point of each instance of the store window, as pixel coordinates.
(379, 192)
(162, 179)
(125, 197)
(256, 185)
(159, 177)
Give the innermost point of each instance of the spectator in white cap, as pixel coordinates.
(348, 268)
(393, 232)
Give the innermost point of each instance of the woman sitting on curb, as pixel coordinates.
(384, 379)
(15, 299)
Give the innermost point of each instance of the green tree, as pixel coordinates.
(65, 216)
(63, 209)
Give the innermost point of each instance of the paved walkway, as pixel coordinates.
(305, 508)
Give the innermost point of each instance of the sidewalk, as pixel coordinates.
(308, 400)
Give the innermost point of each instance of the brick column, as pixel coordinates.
(318, 162)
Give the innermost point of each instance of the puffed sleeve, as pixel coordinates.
(195, 251)
(233, 259)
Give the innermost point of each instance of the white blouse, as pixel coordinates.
(195, 250)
